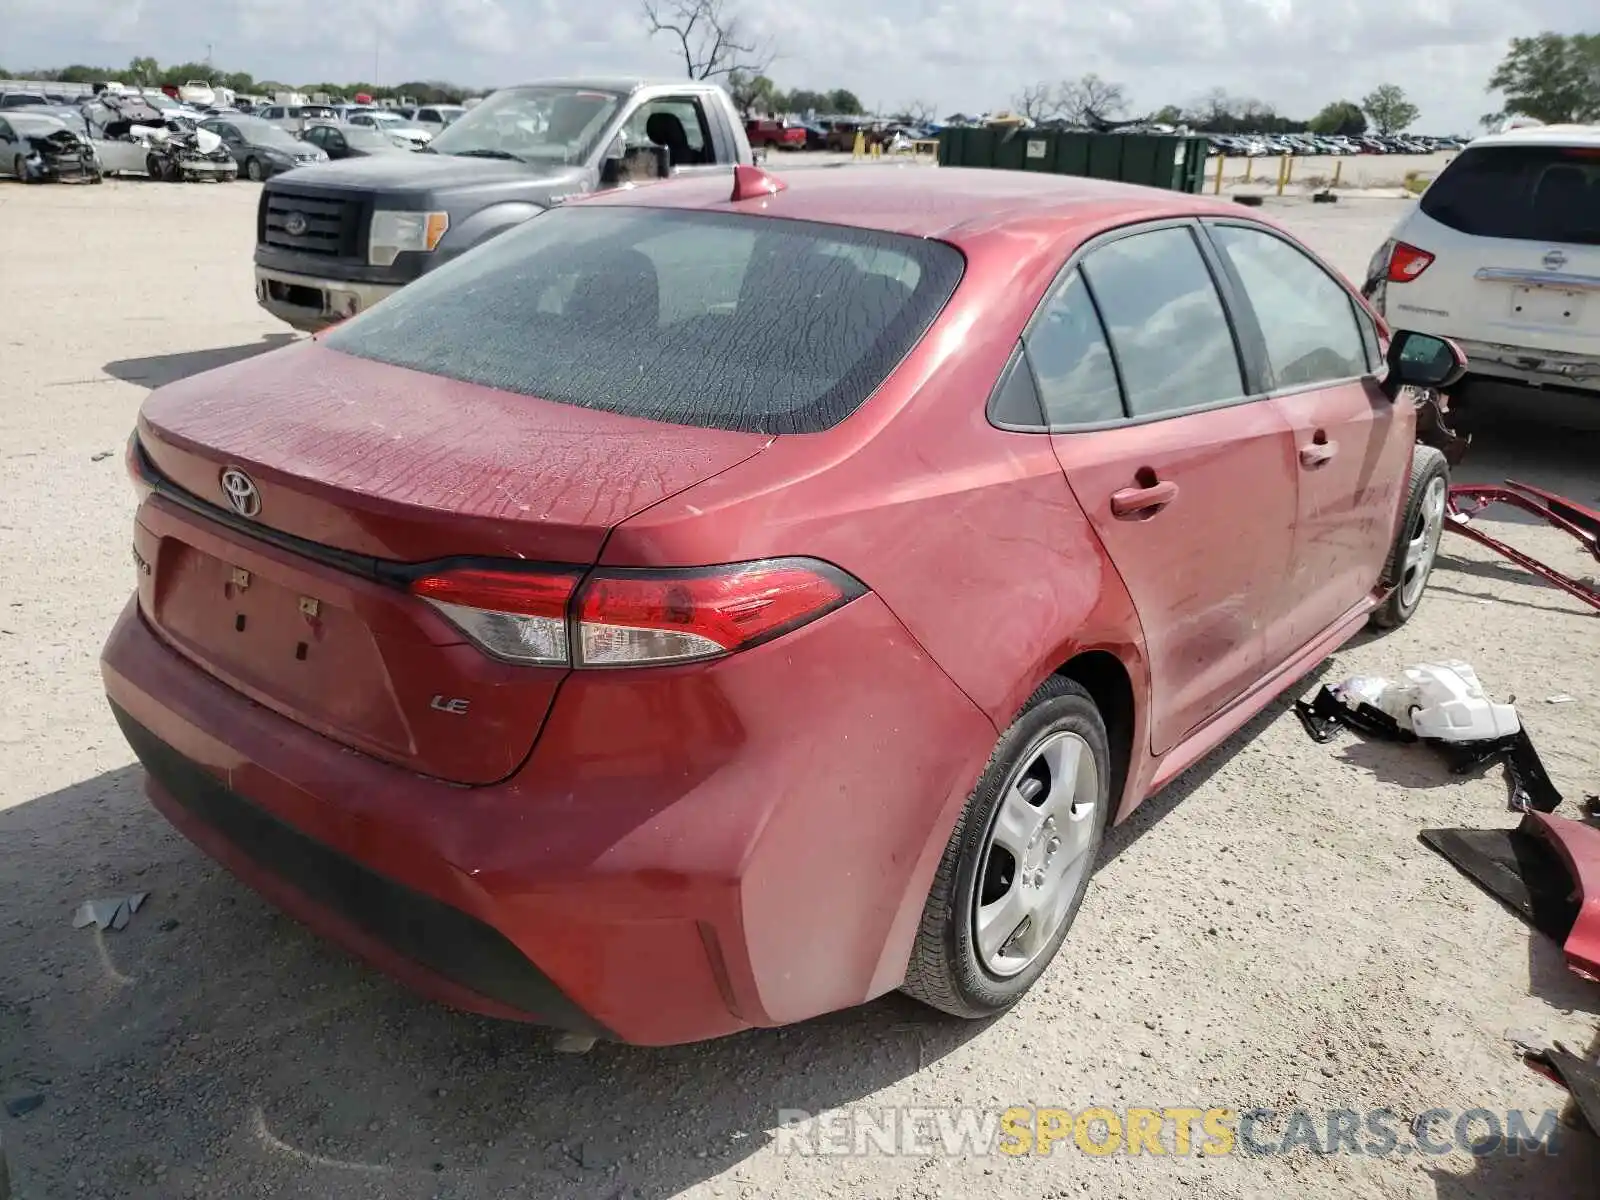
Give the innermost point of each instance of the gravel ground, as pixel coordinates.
(1266, 933)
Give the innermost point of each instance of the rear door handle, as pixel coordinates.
(1136, 503)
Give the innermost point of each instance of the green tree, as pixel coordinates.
(144, 70)
(844, 103)
(1170, 115)
(755, 93)
(1342, 117)
(1389, 109)
(1551, 77)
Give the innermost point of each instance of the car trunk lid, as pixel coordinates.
(296, 597)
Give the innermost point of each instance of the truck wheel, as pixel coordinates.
(252, 170)
(1416, 541)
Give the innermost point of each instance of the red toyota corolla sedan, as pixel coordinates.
(690, 612)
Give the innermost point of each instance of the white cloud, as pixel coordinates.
(1293, 54)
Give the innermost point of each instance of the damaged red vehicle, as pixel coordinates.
(689, 612)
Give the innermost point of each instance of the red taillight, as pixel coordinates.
(520, 616)
(133, 460)
(634, 618)
(646, 617)
(1407, 262)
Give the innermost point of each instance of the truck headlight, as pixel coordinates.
(394, 232)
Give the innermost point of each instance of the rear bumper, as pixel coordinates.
(688, 852)
(1540, 368)
(310, 303)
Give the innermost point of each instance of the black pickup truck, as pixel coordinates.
(333, 239)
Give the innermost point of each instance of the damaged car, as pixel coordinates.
(37, 148)
(133, 137)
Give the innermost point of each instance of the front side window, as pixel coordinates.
(1306, 319)
(694, 318)
(1071, 361)
(1165, 321)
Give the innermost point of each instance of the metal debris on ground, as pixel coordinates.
(111, 913)
(1443, 705)
(1559, 698)
(1579, 1076)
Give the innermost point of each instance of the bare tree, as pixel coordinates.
(1091, 99)
(1036, 102)
(917, 112)
(711, 36)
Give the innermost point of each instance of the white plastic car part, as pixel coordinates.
(1451, 705)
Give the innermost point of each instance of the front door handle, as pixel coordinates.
(1319, 452)
(1137, 503)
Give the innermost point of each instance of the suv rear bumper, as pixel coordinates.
(1539, 368)
(309, 303)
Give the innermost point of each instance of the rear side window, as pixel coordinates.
(705, 319)
(1067, 348)
(1166, 323)
(1534, 193)
(1307, 320)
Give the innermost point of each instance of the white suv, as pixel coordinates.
(1502, 254)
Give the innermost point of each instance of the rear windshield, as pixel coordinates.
(707, 319)
(1536, 193)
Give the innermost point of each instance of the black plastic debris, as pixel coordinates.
(1530, 784)
(1580, 1078)
(1519, 869)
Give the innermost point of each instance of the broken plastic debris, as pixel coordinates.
(1452, 706)
(111, 913)
(1559, 698)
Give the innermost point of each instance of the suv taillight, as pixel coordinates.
(622, 618)
(1406, 263)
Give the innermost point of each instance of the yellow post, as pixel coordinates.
(1281, 168)
(1249, 168)
(1338, 169)
(877, 149)
(1222, 161)
(861, 144)
(1288, 175)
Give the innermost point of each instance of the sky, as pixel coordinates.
(972, 57)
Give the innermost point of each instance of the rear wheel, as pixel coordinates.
(1416, 544)
(1018, 862)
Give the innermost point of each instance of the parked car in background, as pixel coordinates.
(766, 133)
(38, 148)
(353, 141)
(295, 117)
(393, 125)
(197, 93)
(1502, 253)
(261, 148)
(436, 118)
(529, 699)
(374, 225)
(22, 99)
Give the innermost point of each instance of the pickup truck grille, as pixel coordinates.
(320, 225)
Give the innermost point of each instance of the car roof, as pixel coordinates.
(950, 203)
(1543, 135)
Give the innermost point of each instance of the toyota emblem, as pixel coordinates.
(241, 492)
(1555, 260)
(295, 224)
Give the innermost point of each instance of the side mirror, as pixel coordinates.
(611, 166)
(1423, 360)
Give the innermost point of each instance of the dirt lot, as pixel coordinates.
(1267, 933)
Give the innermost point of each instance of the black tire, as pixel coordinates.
(16, 169)
(945, 972)
(253, 171)
(155, 168)
(1427, 465)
